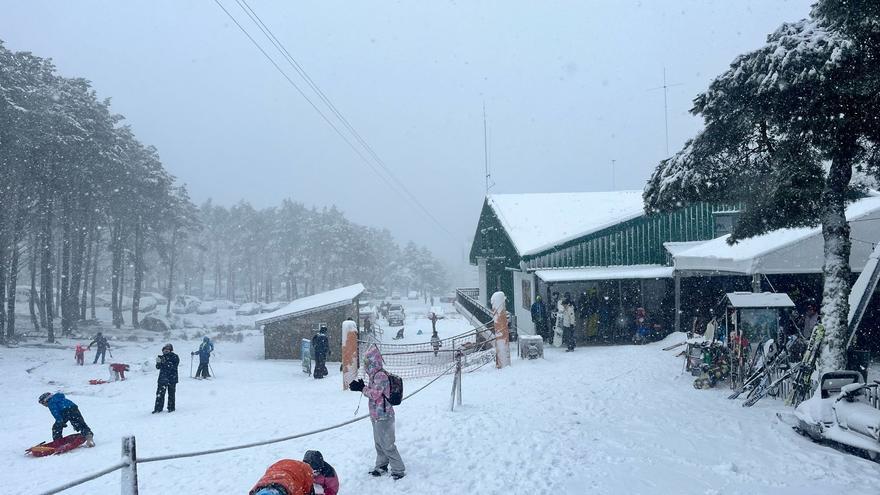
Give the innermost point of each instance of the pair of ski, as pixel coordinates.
(800, 374)
(758, 383)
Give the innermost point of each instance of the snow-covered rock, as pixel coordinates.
(223, 304)
(272, 306)
(248, 309)
(156, 323)
(206, 308)
(160, 299)
(147, 303)
(184, 305)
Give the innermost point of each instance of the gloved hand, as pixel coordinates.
(160, 359)
(356, 385)
(193, 353)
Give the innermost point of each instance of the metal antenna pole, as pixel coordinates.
(665, 89)
(486, 148)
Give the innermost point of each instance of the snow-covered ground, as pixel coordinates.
(601, 420)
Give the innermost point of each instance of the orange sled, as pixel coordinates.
(59, 446)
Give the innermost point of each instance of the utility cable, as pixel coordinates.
(326, 119)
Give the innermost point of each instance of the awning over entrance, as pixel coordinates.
(784, 251)
(605, 273)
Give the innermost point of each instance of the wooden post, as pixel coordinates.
(129, 484)
(502, 335)
(349, 353)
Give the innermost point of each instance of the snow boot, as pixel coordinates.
(379, 471)
(397, 476)
(90, 442)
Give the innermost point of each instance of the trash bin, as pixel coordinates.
(859, 360)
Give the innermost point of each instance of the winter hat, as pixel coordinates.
(168, 346)
(269, 490)
(203, 340)
(314, 458)
(44, 397)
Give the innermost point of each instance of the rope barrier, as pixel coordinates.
(80, 481)
(282, 439)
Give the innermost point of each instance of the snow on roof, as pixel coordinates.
(605, 273)
(746, 255)
(538, 221)
(677, 247)
(759, 300)
(324, 300)
(863, 289)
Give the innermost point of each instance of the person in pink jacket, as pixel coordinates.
(324, 474)
(381, 415)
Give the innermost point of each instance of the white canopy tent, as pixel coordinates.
(783, 251)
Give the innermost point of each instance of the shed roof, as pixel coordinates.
(759, 300)
(316, 302)
(797, 250)
(605, 273)
(536, 222)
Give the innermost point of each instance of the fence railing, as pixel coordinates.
(426, 359)
(129, 461)
(467, 299)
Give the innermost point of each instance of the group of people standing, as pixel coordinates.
(566, 319)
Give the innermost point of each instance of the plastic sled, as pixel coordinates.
(97, 381)
(60, 446)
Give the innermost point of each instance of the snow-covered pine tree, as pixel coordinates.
(792, 133)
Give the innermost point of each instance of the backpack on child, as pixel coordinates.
(395, 384)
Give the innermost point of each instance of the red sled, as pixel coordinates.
(97, 381)
(60, 446)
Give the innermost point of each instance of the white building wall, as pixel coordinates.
(523, 315)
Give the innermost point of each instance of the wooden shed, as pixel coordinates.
(283, 330)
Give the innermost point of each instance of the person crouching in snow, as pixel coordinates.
(381, 414)
(117, 371)
(286, 477)
(80, 354)
(323, 473)
(64, 410)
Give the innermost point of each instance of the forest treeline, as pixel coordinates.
(87, 210)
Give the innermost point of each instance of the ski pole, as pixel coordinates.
(190, 365)
(212, 370)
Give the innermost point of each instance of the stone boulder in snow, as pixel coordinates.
(156, 323)
(272, 306)
(224, 304)
(184, 305)
(248, 309)
(206, 308)
(160, 299)
(147, 304)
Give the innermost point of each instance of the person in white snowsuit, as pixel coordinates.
(566, 314)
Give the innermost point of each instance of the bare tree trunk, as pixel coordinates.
(95, 273)
(171, 256)
(116, 276)
(13, 274)
(836, 270)
(46, 266)
(138, 272)
(83, 303)
(65, 273)
(33, 299)
(76, 270)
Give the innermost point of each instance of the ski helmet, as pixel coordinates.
(44, 398)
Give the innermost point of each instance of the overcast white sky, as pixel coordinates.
(566, 86)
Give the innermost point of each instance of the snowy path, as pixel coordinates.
(600, 420)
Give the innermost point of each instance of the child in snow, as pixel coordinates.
(323, 473)
(399, 335)
(80, 354)
(117, 371)
(64, 410)
(381, 414)
(435, 342)
(286, 477)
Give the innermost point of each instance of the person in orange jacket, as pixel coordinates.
(286, 477)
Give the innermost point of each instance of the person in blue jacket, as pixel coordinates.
(64, 410)
(204, 353)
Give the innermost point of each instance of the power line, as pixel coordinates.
(399, 186)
